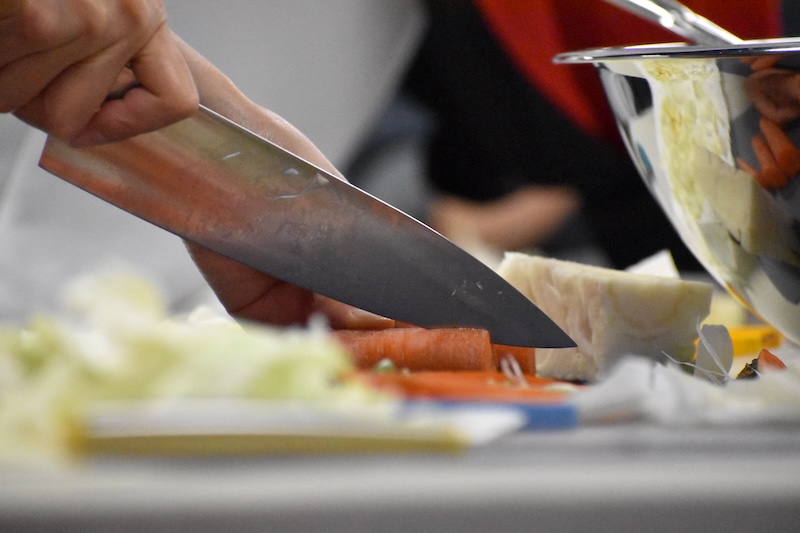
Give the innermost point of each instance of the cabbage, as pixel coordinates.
(115, 341)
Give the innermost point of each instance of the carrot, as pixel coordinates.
(778, 157)
(765, 362)
(415, 348)
(787, 156)
(771, 175)
(768, 361)
(525, 358)
(468, 386)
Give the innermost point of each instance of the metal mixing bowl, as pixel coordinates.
(714, 132)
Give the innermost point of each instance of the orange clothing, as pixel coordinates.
(533, 31)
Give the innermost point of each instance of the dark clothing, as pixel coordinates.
(496, 133)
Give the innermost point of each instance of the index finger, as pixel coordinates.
(165, 93)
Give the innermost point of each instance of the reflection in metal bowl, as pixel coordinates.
(714, 132)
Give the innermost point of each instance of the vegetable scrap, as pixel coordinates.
(116, 343)
(765, 362)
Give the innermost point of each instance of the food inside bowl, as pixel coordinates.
(714, 132)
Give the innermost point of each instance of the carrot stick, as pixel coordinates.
(469, 386)
(771, 175)
(524, 357)
(415, 348)
(786, 153)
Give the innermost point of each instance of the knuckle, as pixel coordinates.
(143, 15)
(174, 111)
(36, 23)
(94, 23)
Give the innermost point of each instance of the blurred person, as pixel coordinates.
(521, 147)
(58, 61)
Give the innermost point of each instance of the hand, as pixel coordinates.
(252, 295)
(245, 292)
(60, 59)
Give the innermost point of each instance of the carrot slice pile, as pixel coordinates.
(453, 364)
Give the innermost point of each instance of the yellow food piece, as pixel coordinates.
(751, 339)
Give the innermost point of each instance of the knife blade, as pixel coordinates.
(213, 182)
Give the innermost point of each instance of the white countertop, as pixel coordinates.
(613, 478)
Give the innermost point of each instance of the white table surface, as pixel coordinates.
(633, 477)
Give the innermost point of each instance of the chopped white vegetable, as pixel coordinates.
(608, 313)
(116, 342)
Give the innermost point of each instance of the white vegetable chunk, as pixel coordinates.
(608, 313)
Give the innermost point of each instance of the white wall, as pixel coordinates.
(327, 66)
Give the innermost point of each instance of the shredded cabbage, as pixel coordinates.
(115, 341)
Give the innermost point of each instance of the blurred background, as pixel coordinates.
(500, 149)
(451, 110)
(328, 67)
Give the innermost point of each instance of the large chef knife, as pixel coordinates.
(215, 183)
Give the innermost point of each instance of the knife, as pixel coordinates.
(213, 182)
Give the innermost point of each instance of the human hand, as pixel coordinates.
(252, 295)
(60, 59)
(247, 293)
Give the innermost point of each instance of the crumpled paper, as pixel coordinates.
(700, 393)
(642, 389)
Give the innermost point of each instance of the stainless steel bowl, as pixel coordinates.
(714, 132)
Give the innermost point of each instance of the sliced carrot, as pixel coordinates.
(778, 157)
(768, 361)
(469, 386)
(787, 155)
(771, 175)
(525, 358)
(415, 348)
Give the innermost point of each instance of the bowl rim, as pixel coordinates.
(679, 50)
